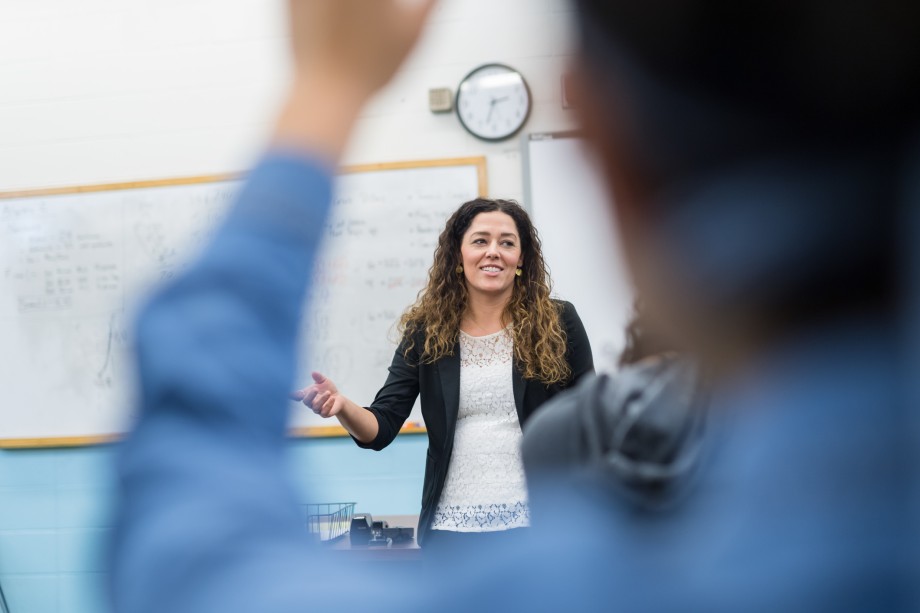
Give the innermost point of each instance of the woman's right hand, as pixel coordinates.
(323, 397)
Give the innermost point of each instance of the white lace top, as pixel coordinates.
(485, 489)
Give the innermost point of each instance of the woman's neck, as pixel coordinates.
(484, 314)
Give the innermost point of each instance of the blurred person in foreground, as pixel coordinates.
(758, 157)
(761, 160)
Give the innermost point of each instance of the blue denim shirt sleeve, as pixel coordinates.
(206, 517)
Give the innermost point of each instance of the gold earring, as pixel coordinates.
(459, 269)
(518, 272)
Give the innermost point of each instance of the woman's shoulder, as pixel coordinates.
(412, 329)
(568, 315)
(566, 308)
(412, 344)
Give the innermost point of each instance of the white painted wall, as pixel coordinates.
(98, 91)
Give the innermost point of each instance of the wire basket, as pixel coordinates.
(329, 522)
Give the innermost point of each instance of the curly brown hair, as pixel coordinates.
(538, 332)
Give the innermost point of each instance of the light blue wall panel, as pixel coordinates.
(55, 510)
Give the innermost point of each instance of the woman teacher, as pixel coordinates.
(485, 346)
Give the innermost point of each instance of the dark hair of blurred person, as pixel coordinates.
(755, 153)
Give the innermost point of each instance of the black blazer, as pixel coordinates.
(439, 386)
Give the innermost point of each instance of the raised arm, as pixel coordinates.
(206, 519)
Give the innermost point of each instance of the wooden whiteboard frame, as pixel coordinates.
(298, 432)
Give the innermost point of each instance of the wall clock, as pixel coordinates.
(493, 102)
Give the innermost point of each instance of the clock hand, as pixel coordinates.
(492, 103)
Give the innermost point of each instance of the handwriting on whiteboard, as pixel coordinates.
(74, 267)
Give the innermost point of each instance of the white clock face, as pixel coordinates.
(493, 102)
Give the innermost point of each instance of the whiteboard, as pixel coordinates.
(569, 206)
(76, 263)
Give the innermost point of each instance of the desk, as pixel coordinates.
(398, 552)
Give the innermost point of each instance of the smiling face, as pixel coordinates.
(490, 253)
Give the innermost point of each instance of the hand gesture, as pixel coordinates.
(323, 397)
